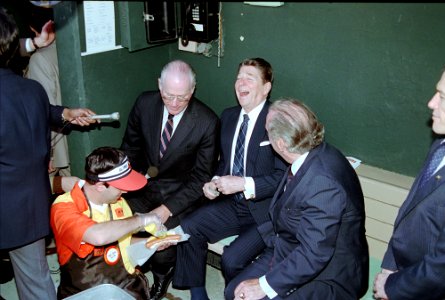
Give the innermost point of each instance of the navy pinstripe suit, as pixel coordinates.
(316, 244)
(225, 216)
(417, 246)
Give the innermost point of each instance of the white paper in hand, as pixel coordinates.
(139, 254)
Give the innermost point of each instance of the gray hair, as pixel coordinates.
(296, 124)
(178, 67)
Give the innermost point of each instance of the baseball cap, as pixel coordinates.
(123, 177)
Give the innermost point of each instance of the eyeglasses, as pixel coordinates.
(179, 98)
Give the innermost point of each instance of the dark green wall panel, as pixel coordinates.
(105, 82)
(366, 69)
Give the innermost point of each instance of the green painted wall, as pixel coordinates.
(366, 69)
(105, 82)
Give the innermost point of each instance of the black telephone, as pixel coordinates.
(199, 21)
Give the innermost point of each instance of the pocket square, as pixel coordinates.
(264, 143)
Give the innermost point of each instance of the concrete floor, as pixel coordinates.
(215, 284)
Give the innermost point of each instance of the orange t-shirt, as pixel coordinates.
(70, 218)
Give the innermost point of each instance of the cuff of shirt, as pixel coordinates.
(249, 188)
(28, 46)
(267, 289)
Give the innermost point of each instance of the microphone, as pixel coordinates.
(113, 116)
(152, 172)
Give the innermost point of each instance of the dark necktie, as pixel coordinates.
(166, 135)
(433, 163)
(238, 159)
(290, 176)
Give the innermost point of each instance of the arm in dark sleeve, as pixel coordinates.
(316, 228)
(55, 115)
(206, 157)
(423, 280)
(133, 140)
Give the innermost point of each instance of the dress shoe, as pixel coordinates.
(160, 285)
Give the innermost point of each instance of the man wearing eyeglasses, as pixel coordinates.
(172, 137)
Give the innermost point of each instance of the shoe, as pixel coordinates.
(161, 284)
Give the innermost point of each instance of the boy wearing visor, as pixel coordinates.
(93, 225)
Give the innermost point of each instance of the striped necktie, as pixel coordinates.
(166, 135)
(238, 159)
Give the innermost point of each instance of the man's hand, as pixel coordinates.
(379, 284)
(79, 116)
(210, 190)
(47, 36)
(249, 290)
(230, 184)
(163, 212)
(150, 219)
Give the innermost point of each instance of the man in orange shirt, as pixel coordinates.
(93, 226)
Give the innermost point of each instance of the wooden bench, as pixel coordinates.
(384, 193)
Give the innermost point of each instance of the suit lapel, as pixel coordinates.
(227, 137)
(276, 205)
(258, 135)
(279, 193)
(154, 132)
(418, 195)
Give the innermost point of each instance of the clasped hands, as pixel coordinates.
(225, 185)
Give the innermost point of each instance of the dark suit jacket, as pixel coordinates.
(417, 245)
(25, 116)
(190, 158)
(263, 164)
(317, 228)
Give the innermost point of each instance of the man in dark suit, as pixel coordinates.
(316, 244)
(26, 116)
(247, 176)
(414, 264)
(172, 137)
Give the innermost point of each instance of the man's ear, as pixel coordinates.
(281, 145)
(267, 88)
(100, 186)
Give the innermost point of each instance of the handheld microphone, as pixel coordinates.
(113, 116)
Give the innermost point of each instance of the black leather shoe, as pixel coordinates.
(160, 285)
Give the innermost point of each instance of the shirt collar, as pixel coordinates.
(253, 114)
(296, 165)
